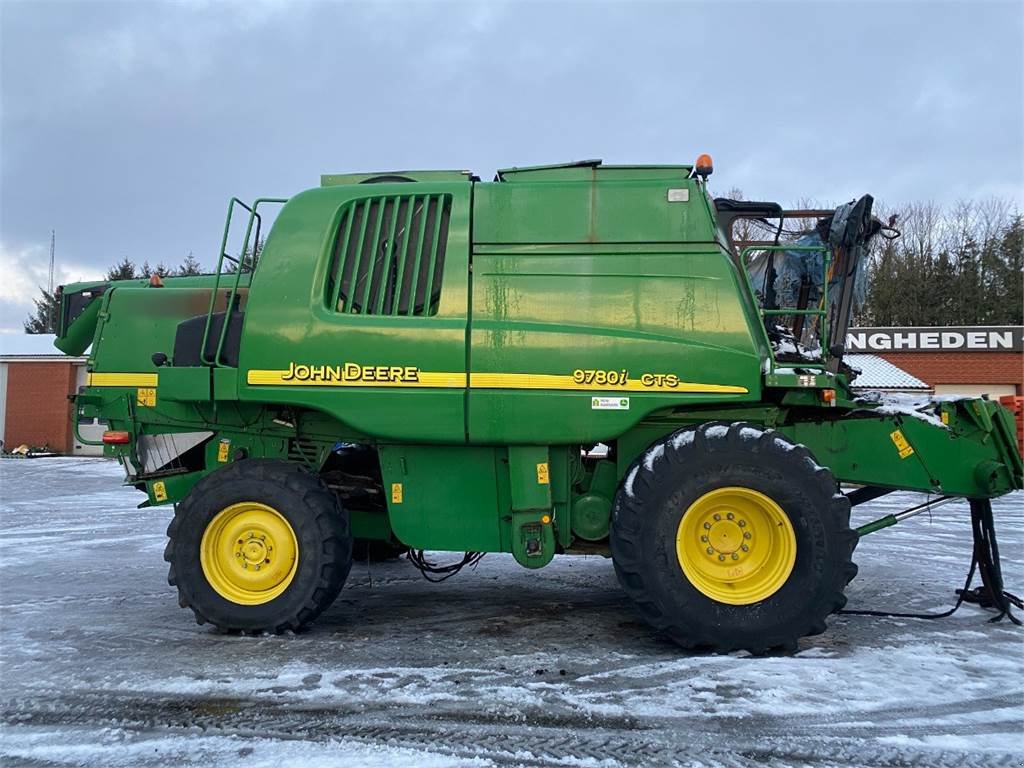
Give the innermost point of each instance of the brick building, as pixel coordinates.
(35, 381)
(953, 360)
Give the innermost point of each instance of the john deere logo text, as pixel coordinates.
(351, 372)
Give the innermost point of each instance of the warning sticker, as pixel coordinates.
(396, 493)
(542, 474)
(146, 396)
(222, 450)
(159, 491)
(609, 403)
(900, 441)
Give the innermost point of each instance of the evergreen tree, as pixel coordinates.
(123, 270)
(44, 318)
(190, 266)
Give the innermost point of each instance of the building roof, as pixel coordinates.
(32, 346)
(877, 373)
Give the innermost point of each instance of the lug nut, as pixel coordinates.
(711, 550)
(717, 516)
(730, 516)
(735, 556)
(267, 560)
(721, 557)
(257, 567)
(704, 538)
(743, 523)
(745, 548)
(707, 526)
(746, 535)
(238, 554)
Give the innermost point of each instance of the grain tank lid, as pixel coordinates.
(588, 170)
(384, 177)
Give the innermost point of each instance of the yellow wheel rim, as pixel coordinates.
(249, 553)
(736, 545)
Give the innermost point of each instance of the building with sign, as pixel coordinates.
(953, 360)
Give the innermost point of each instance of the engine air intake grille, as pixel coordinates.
(388, 256)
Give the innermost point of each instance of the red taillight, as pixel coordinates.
(115, 437)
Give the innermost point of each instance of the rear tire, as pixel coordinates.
(258, 546)
(702, 483)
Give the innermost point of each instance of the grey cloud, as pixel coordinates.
(126, 126)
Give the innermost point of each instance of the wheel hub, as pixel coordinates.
(736, 545)
(249, 553)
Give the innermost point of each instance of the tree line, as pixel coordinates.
(956, 265)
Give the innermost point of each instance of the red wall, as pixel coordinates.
(961, 367)
(38, 411)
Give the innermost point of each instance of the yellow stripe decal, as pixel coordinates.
(554, 381)
(121, 380)
(315, 376)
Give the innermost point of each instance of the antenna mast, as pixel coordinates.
(53, 242)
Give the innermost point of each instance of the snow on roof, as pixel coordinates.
(30, 345)
(878, 373)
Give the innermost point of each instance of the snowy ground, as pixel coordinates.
(496, 667)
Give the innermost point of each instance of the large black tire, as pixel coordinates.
(321, 531)
(660, 488)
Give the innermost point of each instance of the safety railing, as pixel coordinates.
(821, 312)
(241, 265)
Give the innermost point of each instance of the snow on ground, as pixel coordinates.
(498, 666)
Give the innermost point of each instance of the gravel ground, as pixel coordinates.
(496, 667)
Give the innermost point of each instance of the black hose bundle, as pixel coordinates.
(985, 560)
(429, 569)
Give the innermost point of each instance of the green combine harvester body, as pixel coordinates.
(485, 367)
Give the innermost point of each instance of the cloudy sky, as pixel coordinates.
(127, 126)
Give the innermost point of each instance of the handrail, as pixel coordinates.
(822, 312)
(240, 264)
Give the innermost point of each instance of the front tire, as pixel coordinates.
(258, 546)
(730, 537)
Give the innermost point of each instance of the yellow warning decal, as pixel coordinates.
(121, 380)
(542, 474)
(396, 493)
(945, 417)
(146, 396)
(159, 491)
(222, 451)
(901, 444)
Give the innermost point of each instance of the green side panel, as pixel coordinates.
(668, 316)
(590, 170)
(225, 383)
(369, 525)
(136, 322)
(449, 496)
(530, 473)
(183, 384)
(591, 212)
(289, 322)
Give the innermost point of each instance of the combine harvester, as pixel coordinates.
(570, 359)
